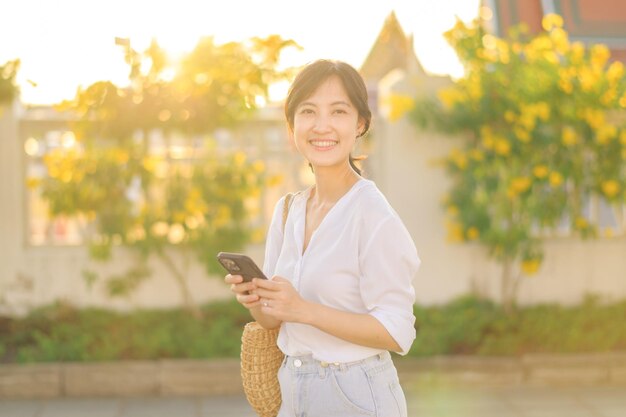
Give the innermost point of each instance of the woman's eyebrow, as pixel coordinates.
(334, 103)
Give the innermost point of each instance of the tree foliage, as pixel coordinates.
(157, 202)
(8, 86)
(541, 134)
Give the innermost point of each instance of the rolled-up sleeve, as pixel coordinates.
(389, 262)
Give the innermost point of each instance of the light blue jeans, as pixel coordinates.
(369, 387)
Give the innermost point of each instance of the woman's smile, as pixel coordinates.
(323, 144)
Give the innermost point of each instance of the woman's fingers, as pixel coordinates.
(233, 279)
(247, 298)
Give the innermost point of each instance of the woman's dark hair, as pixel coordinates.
(312, 75)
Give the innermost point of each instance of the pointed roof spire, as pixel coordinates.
(392, 49)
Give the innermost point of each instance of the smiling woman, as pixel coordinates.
(63, 45)
(341, 264)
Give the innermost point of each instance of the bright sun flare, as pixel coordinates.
(68, 43)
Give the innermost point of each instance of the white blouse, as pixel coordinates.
(361, 259)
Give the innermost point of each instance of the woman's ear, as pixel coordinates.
(360, 126)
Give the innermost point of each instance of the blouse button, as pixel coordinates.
(297, 363)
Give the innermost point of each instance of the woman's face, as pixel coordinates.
(326, 125)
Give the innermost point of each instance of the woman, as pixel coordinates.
(342, 267)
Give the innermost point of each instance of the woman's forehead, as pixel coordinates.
(330, 90)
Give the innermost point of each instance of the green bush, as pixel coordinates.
(467, 325)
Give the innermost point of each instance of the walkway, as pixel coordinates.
(441, 401)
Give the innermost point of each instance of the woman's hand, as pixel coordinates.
(244, 291)
(279, 299)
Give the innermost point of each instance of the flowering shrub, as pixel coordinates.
(540, 118)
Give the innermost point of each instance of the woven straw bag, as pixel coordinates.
(261, 358)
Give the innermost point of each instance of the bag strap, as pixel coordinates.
(286, 205)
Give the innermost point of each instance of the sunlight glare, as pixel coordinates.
(65, 44)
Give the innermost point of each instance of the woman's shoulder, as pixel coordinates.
(373, 205)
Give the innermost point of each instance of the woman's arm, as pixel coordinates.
(285, 304)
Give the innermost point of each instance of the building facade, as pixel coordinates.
(400, 160)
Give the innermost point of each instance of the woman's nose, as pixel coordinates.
(322, 123)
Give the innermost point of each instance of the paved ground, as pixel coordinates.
(515, 401)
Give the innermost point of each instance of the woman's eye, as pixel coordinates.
(306, 111)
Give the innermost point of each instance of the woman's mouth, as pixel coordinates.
(323, 145)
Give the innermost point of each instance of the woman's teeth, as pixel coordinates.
(323, 143)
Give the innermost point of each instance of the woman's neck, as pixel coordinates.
(330, 186)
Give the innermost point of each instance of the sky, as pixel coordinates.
(64, 44)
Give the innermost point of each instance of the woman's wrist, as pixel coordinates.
(310, 313)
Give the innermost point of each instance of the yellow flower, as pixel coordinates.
(121, 157)
(32, 183)
(581, 223)
(239, 158)
(566, 85)
(473, 233)
(615, 72)
(555, 179)
(622, 137)
(503, 51)
(527, 118)
(258, 166)
(594, 118)
(474, 89)
(551, 57)
(449, 97)
(540, 171)
(588, 79)
(530, 266)
(453, 211)
(542, 109)
(610, 188)
(258, 235)
(399, 105)
(459, 159)
(455, 232)
(622, 100)
(578, 52)
(551, 21)
(608, 97)
(559, 38)
(600, 54)
(605, 134)
(609, 232)
(522, 134)
(222, 217)
(568, 136)
(275, 180)
(150, 163)
(502, 146)
(488, 140)
(520, 185)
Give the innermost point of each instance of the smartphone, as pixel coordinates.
(240, 264)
